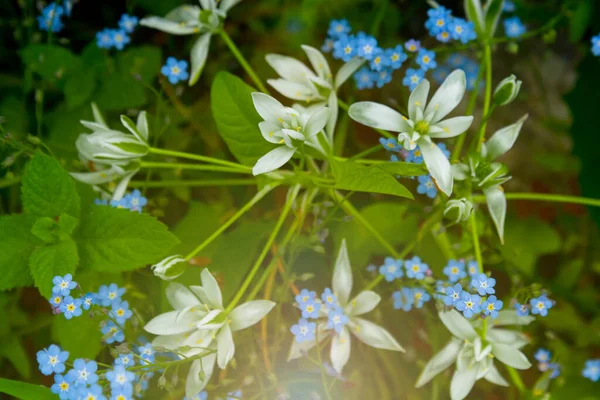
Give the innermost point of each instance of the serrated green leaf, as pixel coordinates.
(79, 87)
(25, 391)
(113, 240)
(86, 343)
(404, 168)
(373, 179)
(14, 352)
(236, 118)
(16, 246)
(45, 230)
(50, 260)
(48, 190)
(67, 224)
(51, 61)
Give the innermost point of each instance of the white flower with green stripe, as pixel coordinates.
(425, 122)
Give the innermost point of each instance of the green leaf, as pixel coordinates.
(140, 62)
(16, 246)
(403, 168)
(200, 221)
(14, 352)
(493, 10)
(118, 91)
(526, 240)
(50, 61)
(45, 229)
(391, 220)
(48, 261)
(236, 118)
(474, 13)
(579, 19)
(80, 336)
(25, 391)
(79, 87)
(48, 190)
(373, 179)
(114, 240)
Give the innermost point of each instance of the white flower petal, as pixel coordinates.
(494, 377)
(273, 160)
(510, 356)
(438, 363)
(437, 164)
(496, 202)
(289, 68)
(200, 293)
(122, 185)
(458, 325)
(507, 317)
(504, 139)
(462, 383)
(452, 127)
(206, 322)
(378, 116)
(505, 336)
(226, 5)
(198, 57)
(342, 275)
(340, 350)
(418, 99)
(225, 347)
(172, 27)
(374, 335)
(194, 384)
(365, 302)
(316, 122)
(347, 70)
(180, 297)
(270, 131)
(447, 97)
(142, 125)
(94, 126)
(249, 313)
(98, 115)
(267, 107)
(212, 289)
(170, 342)
(318, 62)
(293, 90)
(169, 323)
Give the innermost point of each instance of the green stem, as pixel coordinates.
(231, 220)
(195, 167)
(475, 238)
(470, 107)
(194, 183)
(346, 107)
(286, 209)
(322, 367)
(516, 379)
(488, 93)
(555, 198)
(238, 55)
(180, 154)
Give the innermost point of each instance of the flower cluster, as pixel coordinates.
(442, 25)
(544, 358)
(117, 38)
(52, 14)
(596, 45)
(537, 306)
(133, 201)
(381, 62)
(470, 304)
(592, 370)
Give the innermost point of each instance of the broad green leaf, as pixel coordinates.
(50, 61)
(16, 246)
(113, 240)
(142, 62)
(48, 190)
(391, 220)
(86, 343)
(236, 118)
(373, 179)
(526, 240)
(79, 87)
(117, 91)
(403, 168)
(579, 19)
(25, 391)
(474, 14)
(50, 260)
(12, 349)
(45, 229)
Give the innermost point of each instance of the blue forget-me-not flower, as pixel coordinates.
(175, 70)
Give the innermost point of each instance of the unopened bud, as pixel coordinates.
(170, 268)
(507, 90)
(458, 210)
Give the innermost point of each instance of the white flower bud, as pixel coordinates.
(507, 90)
(170, 268)
(458, 210)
